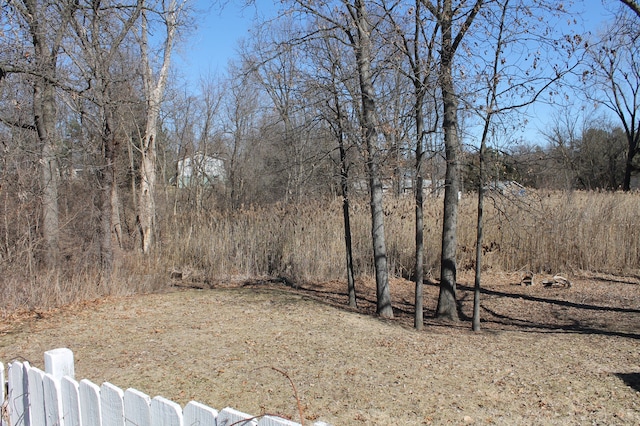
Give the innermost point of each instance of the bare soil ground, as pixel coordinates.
(545, 355)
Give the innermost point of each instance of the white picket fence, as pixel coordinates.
(32, 397)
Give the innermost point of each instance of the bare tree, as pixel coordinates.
(170, 14)
(240, 111)
(506, 86)
(449, 18)
(330, 82)
(361, 41)
(614, 79)
(47, 24)
(352, 19)
(415, 39)
(100, 30)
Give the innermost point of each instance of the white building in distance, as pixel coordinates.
(200, 169)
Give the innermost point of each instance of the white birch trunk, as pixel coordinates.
(154, 91)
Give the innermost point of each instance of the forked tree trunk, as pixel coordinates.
(153, 92)
(447, 304)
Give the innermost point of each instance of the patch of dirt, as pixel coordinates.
(551, 355)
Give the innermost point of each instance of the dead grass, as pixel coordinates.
(541, 231)
(551, 232)
(545, 356)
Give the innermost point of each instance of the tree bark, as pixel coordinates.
(475, 324)
(44, 111)
(351, 286)
(363, 60)
(45, 115)
(443, 12)
(447, 307)
(344, 188)
(154, 92)
(106, 181)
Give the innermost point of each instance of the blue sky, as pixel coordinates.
(214, 42)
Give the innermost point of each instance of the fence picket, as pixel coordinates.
(276, 421)
(18, 395)
(59, 363)
(70, 395)
(137, 410)
(165, 412)
(197, 414)
(52, 401)
(112, 405)
(90, 408)
(229, 416)
(53, 398)
(35, 388)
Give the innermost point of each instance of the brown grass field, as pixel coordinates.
(557, 356)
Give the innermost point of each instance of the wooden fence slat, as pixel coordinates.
(52, 402)
(54, 398)
(230, 416)
(197, 414)
(165, 412)
(70, 395)
(137, 410)
(35, 388)
(59, 363)
(276, 421)
(90, 409)
(112, 405)
(18, 395)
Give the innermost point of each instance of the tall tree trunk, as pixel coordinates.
(447, 307)
(491, 107)
(146, 199)
(153, 92)
(363, 59)
(419, 84)
(106, 180)
(479, 234)
(339, 133)
(418, 322)
(46, 47)
(45, 114)
(344, 187)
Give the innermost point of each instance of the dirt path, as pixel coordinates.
(546, 355)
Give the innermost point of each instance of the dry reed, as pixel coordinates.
(551, 232)
(539, 231)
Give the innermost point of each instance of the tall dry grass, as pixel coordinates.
(541, 231)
